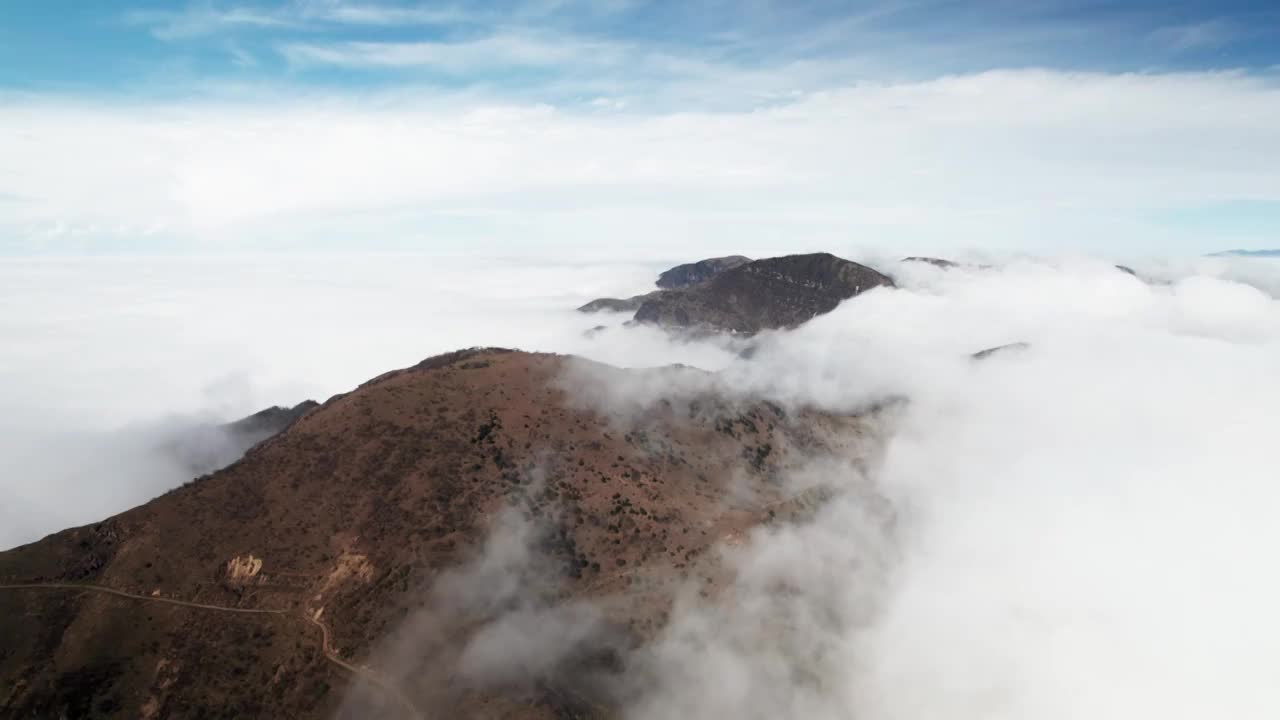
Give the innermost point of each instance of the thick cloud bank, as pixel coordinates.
(1019, 159)
(1082, 528)
(113, 372)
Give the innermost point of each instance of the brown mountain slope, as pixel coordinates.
(391, 552)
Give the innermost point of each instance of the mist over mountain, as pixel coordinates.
(649, 524)
(208, 447)
(622, 360)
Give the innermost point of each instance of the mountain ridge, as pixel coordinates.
(354, 517)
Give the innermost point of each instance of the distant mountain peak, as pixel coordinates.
(747, 296)
(697, 272)
(1247, 253)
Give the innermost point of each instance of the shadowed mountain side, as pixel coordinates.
(738, 295)
(694, 273)
(680, 276)
(773, 293)
(415, 522)
(265, 423)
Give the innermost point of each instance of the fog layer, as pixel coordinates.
(1082, 528)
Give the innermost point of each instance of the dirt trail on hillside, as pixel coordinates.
(329, 654)
(132, 596)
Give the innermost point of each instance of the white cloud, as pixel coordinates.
(1031, 159)
(123, 355)
(376, 14)
(1079, 530)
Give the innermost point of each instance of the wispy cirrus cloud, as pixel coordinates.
(500, 50)
(241, 57)
(669, 53)
(1196, 36)
(206, 19)
(195, 21)
(371, 14)
(198, 19)
(774, 120)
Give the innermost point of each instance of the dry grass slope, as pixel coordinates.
(356, 512)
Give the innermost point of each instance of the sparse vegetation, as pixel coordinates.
(407, 472)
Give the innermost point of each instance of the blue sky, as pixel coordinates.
(535, 48)
(1136, 127)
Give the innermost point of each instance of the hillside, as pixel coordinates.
(357, 563)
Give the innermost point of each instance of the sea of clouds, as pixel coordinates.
(1084, 527)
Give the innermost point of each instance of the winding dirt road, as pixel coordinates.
(363, 673)
(332, 656)
(149, 598)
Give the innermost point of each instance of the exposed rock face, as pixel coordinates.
(688, 274)
(773, 293)
(363, 539)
